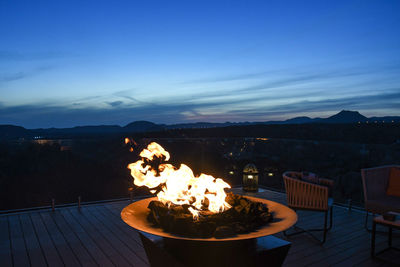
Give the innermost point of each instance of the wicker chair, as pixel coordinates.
(303, 195)
(375, 183)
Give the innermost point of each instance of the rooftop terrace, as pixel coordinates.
(95, 235)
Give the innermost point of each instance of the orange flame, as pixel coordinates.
(179, 186)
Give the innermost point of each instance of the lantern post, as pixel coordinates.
(250, 178)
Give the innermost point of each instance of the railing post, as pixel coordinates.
(350, 204)
(53, 204)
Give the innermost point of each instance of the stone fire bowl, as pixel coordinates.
(136, 213)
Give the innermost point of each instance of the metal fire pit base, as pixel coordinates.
(262, 251)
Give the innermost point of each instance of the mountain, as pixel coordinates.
(77, 130)
(298, 120)
(389, 119)
(345, 116)
(142, 126)
(301, 120)
(206, 125)
(90, 129)
(11, 132)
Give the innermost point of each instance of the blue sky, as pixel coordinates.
(69, 63)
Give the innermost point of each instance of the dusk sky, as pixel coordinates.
(69, 63)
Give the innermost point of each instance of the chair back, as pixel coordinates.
(375, 181)
(304, 195)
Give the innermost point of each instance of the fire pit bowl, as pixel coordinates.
(136, 213)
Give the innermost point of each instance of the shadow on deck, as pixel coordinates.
(95, 235)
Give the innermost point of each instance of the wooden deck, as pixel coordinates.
(96, 236)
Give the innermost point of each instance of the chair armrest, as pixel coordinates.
(326, 182)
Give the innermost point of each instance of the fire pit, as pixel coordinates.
(200, 197)
(136, 214)
(256, 248)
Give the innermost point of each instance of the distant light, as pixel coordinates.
(270, 174)
(231, 172)
(250, 176)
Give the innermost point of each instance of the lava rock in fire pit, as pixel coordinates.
(244, 216)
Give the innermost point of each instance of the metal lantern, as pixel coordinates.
(250, 178)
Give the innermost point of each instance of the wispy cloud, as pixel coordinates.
(10, 77)
(387, 101)
(8, 55)
(258, 89)
(232, 77)
(46, 115)
(115, 103)
(287, 84)
(323, 72)
(127, 94)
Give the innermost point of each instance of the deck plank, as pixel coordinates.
(91, 246)
(99, 237)
(339, 253)
(133, 245)
(64, 249)
(113, 213)
(5, 244)
(110, 234)
(49, 250)
(35, 252)
(80, 251)
(340, 236)
(18, 247)
(339, 233)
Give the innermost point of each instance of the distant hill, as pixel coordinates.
(8, 132)
(388, 119)
(296, 120)
(345, 116)
(206, 125)
(142, 126)
(82, 129)
(299, 120)
(12, 132)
